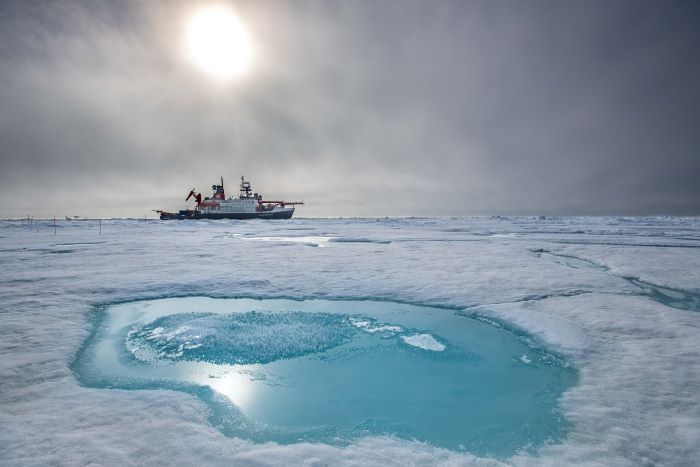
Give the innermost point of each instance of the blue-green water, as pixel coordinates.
(334, 371)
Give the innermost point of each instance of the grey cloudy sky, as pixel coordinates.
(358, 107)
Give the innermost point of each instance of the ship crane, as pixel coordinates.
(283, 203)
(197, 196)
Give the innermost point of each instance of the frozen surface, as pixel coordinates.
(424, 341)
(636, 400)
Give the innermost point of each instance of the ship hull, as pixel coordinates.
(286, 214)
(248, 215)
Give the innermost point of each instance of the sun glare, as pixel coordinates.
(217, 42)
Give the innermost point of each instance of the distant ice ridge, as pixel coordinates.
(424, 341)
(317, 241)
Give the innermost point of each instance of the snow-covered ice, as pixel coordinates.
(623, 311)
(424, 341)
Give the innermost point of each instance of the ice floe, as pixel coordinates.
(424, 341)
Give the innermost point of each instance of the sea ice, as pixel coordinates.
(424, 341)
(636, 401)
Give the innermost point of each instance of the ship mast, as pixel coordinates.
(245, 189)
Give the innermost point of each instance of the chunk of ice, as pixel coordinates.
(424, 341)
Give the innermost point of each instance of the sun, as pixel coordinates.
(217, 42)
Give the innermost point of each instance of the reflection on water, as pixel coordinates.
(238, 387)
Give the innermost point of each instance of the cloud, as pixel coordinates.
(360, 108)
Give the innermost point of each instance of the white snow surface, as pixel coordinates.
(637, 401)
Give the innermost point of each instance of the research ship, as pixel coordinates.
(248, 205)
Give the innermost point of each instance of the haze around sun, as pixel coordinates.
(218, 43)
